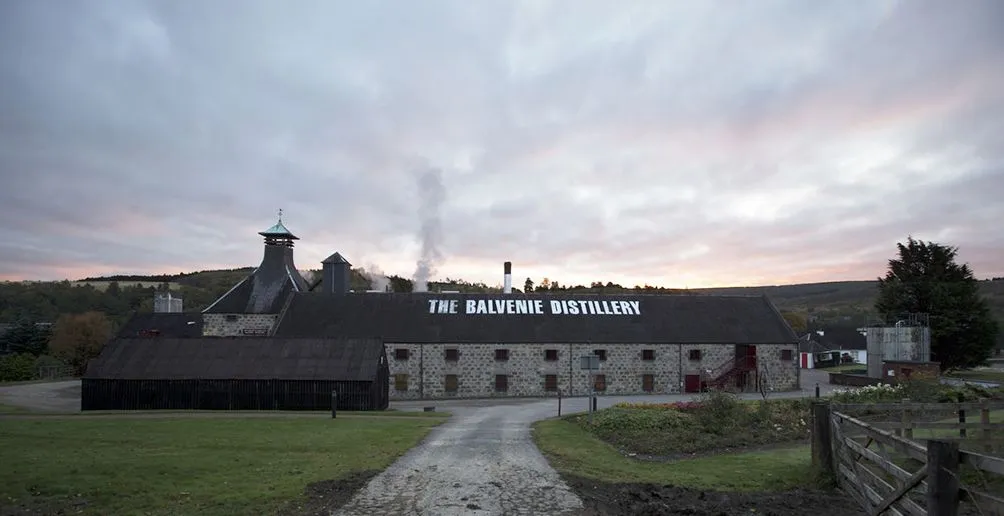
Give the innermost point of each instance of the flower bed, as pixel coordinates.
(716, 422)
(921, 391)
(679, 405)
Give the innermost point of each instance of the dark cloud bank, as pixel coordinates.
(669, 143)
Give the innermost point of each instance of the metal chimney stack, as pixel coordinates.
(507, 283)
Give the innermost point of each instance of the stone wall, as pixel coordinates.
(421, 371)
(237, 325)
(781, 372)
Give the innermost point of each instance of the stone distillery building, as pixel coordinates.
(453, 345)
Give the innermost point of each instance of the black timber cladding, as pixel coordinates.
(100, 394)
(405, 318)
(237, 374)
(218, 358)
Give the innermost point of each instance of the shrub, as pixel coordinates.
(17, 367)
(720, 411)
(717, 421)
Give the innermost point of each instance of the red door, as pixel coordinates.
(692, 383)
(751, 357)
(805, 360)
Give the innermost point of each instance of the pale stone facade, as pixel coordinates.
(442, 371)
(237, 325)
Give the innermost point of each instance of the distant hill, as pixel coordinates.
(826, 305)
(838, 297)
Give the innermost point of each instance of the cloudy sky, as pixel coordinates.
(674, 143)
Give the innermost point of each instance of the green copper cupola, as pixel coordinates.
(278, 234)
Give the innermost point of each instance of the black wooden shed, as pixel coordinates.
(234, 373)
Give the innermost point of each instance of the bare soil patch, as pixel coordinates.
(610, 499)
(322, 498)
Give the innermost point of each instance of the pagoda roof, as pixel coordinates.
(278, 230)
(336, 258)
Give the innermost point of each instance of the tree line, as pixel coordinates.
(37, 350)
(923, 278)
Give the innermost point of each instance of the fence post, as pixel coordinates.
(822, 445)
(962, 419)
(559, 402)
(942, 478)
(817, 389)
(907, 420)
(985, 421)
(334, 403)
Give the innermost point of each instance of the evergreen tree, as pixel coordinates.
(26, 337)
(926, 279)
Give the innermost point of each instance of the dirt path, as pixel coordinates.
(61, 396)
(481, 462)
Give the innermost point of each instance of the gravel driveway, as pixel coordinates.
(480, 462)
(61, 396)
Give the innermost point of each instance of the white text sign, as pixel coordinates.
(534, 307)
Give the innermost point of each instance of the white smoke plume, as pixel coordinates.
(431, 195)
(378, 280)
(308, 276)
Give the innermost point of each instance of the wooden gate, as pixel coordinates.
(914, 465)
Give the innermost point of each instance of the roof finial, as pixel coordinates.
(280, 215)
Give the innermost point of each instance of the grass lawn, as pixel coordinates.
(986, 375)
(996, 416)
(847, 368)
(12, 409)
(573, 450)
(211, 466)
(112, 414)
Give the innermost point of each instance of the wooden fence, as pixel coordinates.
(904, 459)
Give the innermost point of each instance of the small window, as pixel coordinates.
(786, 354)
(602, 353)
(452, 354)
(600, 382)
(501, 354)
(694, 354)
(400, 382)
(648, 354)
(501, 383)
(550, 382)
(231, 318)
(450, 383)
(648, 382)
(551, 355)
(401, 354)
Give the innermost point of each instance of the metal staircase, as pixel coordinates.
(737, 373)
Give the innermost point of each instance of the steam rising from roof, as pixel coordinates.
(431, 195)
(378, 280)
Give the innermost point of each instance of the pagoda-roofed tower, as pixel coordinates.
(265, 290)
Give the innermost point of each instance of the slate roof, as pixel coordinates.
(405, 318)
(184, 325)
(238, 358)
(266, 289)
